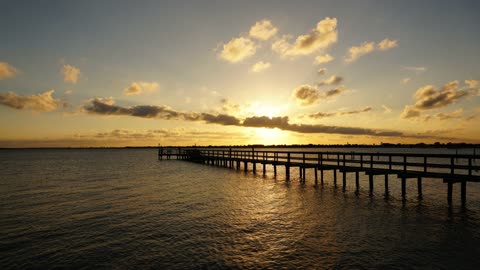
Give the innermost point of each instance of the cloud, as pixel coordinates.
(320, 115)
(428, 98)
(263, 30)
(406, 80)
(260, 66)
(238, 49)
(7, 71)
(386, 109)
(283, 124)
(356, 52)
(105, 107)
(321, 71)
(416, 69)
(43, 102)
(70, 73)
(136, 88)
(324, 35)
(446, 116)
(323, 59)
(333, 80)
(472, 83)
(308, 95)
(387, 44)
(228, 106)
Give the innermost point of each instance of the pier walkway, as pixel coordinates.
(451, 168)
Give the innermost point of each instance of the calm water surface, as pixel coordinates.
(124, 209)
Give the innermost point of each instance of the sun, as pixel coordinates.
(269, 135)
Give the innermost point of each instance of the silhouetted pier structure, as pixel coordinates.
(451, 168)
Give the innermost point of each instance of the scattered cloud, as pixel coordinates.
(322, 71)
(238, 49)
(137, 88)
(416, 69)
(320, 115)
(446, 116)
(260, 66)
(321, 59)
(307, 95)
(387, 44)
(406, 80)
(386, 109)
(70, 73)
(7, 71)
(324, 35)
(43, 102)
(356, 52)
(428, 97)
(68, 92)
(263, 30)
(333, 80)
(228, 106)
(472, 83)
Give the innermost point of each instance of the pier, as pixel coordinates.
(451, 168)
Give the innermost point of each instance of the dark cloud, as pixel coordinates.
(320, 115)
(429, 98)
(308, 95)
(99, 106)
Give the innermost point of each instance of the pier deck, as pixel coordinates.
(452, 169)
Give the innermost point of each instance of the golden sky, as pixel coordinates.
(255, 72)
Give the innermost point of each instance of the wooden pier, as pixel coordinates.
(451, 168)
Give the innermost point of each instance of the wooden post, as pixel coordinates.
(300, 170)
(386, 184)
(419, 187)
(254, 167)
(321, 177)
(449, 192)
(344, 180)
(404, 191)
(463, 192)
(245, 167)
(316, 176)
(274, 170)
(370, 183)
(264, 168)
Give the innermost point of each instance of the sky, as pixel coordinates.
(147, 73)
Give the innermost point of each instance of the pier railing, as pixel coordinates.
(451, 168)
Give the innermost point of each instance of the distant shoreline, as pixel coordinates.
(383, 145)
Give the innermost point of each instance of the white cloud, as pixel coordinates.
(43, 102)
(323, 59)
(367, 47)
(263, 30)
(238, 49)
(321, 71)
(70, 73)
(324, 35)
(386, 109)
(472, 83)
(7, 70)
(137, 88)
(260, 66)
(406, 80)
(387, 44)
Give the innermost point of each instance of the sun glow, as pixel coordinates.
(269, 136)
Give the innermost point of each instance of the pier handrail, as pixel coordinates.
(458, 164)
